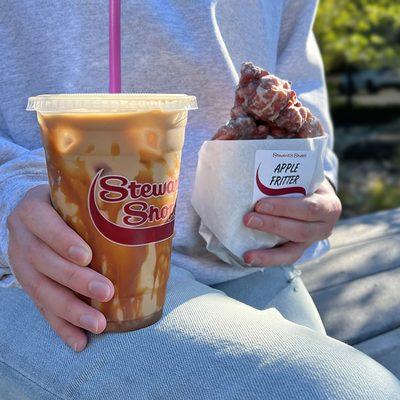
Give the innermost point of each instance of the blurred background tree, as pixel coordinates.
(360, 45)
(358, 34)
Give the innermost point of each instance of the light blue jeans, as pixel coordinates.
(261, 340)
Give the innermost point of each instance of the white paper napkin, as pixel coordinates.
(226, 187)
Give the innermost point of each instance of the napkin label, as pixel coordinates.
(283, 173)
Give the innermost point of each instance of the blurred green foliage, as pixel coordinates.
(380, 194)
(362, 35)
(358, 33)
(383, 195)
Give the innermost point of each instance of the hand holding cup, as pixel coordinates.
(49, 260)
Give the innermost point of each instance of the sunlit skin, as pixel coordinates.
(47, 260)
(301, 221)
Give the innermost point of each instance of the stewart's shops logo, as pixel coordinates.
(137, 212)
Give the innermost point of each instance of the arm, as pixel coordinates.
(20, 170)
(302, 222)
(299, 61)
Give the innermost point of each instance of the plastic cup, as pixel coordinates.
(113, 163)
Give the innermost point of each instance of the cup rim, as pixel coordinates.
(110, 102)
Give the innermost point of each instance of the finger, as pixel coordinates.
(290, 229)
(286, 254)
(80, 279)
(312, 208)
(45, 223)
(61, 301)
(73, 336)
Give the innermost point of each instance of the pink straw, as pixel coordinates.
(115, 46)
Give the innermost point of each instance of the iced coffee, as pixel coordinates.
(113, 165)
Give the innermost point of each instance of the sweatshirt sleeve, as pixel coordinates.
(20, 170)
(299, 61)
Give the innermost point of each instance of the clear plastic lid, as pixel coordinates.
(107, 102)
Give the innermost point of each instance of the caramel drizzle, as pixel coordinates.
(77, 146)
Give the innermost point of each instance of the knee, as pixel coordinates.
(314, 366)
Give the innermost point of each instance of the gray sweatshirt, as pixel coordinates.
(176, 46)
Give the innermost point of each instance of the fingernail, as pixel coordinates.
(76, 345)
(255, 262)
(79, 254)
(100, 290)
(264, 207)
(89, 322)
(255, 222)
(246, 259)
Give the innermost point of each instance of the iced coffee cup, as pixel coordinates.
(113, 163)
